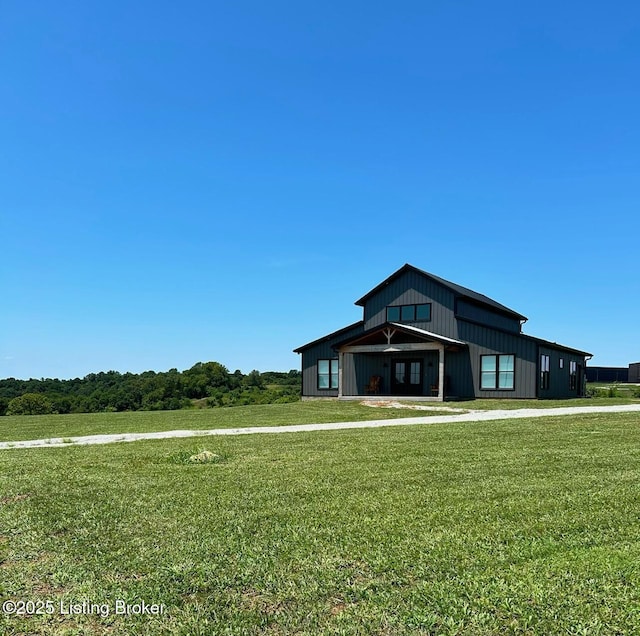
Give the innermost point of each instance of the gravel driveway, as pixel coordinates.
(471, 416)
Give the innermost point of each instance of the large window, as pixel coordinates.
(545, 366)
(497, 372)
(409, 313)
(328, 374)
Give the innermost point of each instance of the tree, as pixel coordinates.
(30, 404)
(253, 379)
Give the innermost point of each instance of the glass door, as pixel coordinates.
(406, 377)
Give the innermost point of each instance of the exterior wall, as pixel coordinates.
(483, 341)
(413, 289)
(634, 372)
(459, 380)
(321, 351)
(475, 313)
(559, 380)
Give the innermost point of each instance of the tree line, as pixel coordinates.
(205, 384)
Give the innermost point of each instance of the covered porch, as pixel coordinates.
(396, 361)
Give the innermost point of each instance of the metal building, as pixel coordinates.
(427, 338)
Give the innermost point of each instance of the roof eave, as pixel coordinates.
(328, 336)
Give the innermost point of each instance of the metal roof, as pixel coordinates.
(329, 336)
(555, 345)
(428, 334)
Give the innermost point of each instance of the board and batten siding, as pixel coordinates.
(559, 379)
(486, 341)
(358, 369)
(322, 350)
(475, 313)
(414, 289)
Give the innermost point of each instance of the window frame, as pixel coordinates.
(545, 371)
(414, 309)
(497, 371)
(331, 375)
(573, 375)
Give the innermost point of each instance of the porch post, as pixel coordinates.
(340, 365)
(441, 373)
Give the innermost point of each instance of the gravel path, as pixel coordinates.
(471, 416)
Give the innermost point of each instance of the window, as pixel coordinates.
(328, 374)
(545, 365)
(562, 363)
(573, 374)
(393, 314)
(409, 313)
(497, 372)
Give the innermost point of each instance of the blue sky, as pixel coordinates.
(193, 181)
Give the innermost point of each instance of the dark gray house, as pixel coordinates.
(424, 337)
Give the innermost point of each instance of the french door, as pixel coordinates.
(406, 377)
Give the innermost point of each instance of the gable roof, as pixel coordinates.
(423, 334)
(459, 290)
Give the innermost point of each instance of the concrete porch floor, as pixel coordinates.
(405, 398)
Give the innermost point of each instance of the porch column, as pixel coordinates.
(340, 365)
(441, 373)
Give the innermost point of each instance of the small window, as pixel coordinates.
(545, 365)
(562, 363)
(497, 372)
(328, 374)
(393, 314)
(423, 312)
(408, 313)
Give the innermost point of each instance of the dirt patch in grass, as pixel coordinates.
(14, 498)
(394, 404)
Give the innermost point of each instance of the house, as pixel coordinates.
(426, 338)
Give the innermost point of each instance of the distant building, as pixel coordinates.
(427, 337)
(607, 374)
(634, 372)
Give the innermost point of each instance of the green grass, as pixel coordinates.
(25, 427)
(614, 389)
(22, 427)
(508, 527)
(489, 404)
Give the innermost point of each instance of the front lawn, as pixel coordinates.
(506, 527)
(23, 427)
